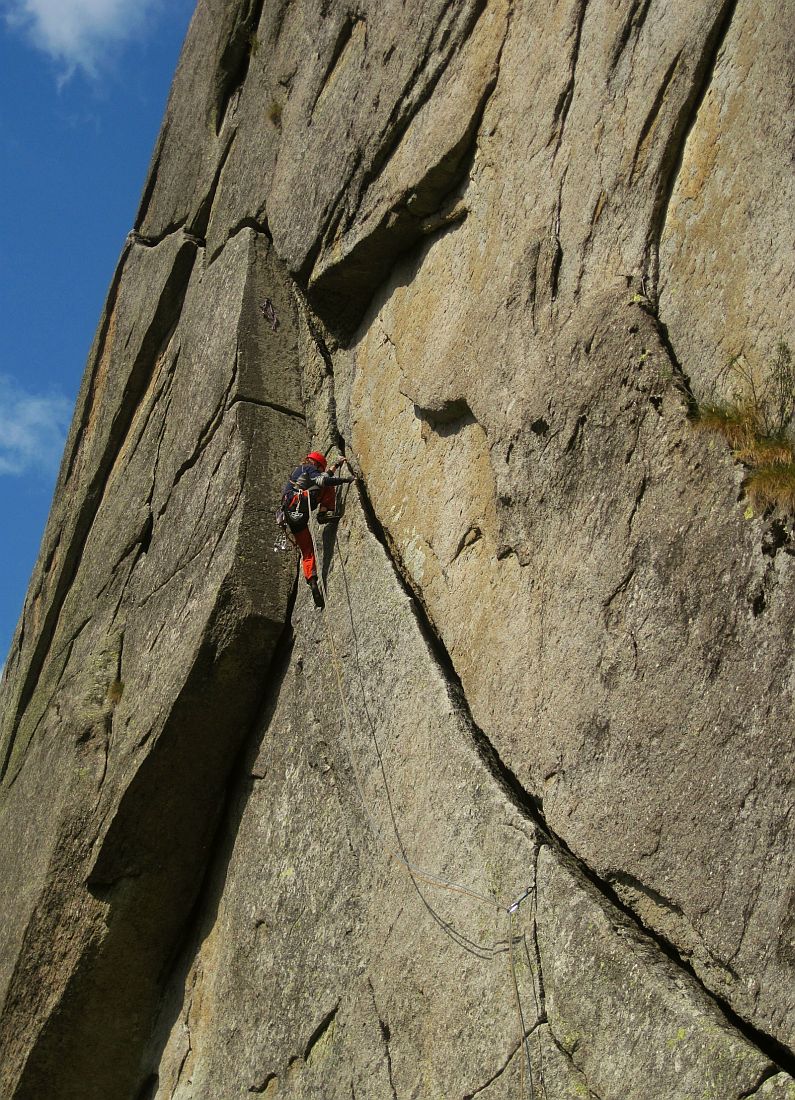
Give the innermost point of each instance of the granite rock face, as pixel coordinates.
(515, 817)
(142, 654)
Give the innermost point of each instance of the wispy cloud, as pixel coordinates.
(77, 33)
(32, 429)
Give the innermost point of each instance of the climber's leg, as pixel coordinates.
(327, 504)
(307, 547)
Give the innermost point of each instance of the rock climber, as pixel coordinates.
(311, 486)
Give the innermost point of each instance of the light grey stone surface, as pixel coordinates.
(779, 1087)
(499, 238)
(727, 236)
(314, 923)
(322, 968)
(142, 656)
(644, 1031)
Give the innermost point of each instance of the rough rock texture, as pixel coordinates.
(727, 232)
(140, 659)
(500, 239)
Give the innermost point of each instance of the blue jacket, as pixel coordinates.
(309, 477)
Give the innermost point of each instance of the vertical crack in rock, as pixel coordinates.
(653, 113)
(672, 160)
(234, 62)
(535, 965)
(188, 1047)
(636, 17)
(350, 22)
(409, 103)
(386, 1035)
(320, 1031)
(201, 220)
(563, 104)
(640, 492)
(556, 259)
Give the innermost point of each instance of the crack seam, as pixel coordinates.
(263, 404)
(529, 806)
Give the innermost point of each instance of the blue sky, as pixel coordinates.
(83, 86)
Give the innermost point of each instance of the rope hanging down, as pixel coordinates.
(415, 870)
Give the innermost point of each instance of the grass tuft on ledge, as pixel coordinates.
(772, 485)
(757, 423)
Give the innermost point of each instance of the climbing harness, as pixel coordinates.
(296, 509)
(415, 871)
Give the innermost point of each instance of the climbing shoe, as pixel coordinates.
(317, 595)
(327, 517)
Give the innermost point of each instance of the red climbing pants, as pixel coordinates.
(307, 548)
(327, 501)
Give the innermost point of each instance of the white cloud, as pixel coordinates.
(32, 429)
(78, 32)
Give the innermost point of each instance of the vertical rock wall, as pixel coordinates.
(726, 234)
(515, 818)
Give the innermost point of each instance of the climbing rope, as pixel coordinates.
(398, 854)
(523, 1035)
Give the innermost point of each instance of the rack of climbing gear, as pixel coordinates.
(268, 311)
(281, 544)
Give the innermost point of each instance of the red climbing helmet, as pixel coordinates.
(318, 458)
